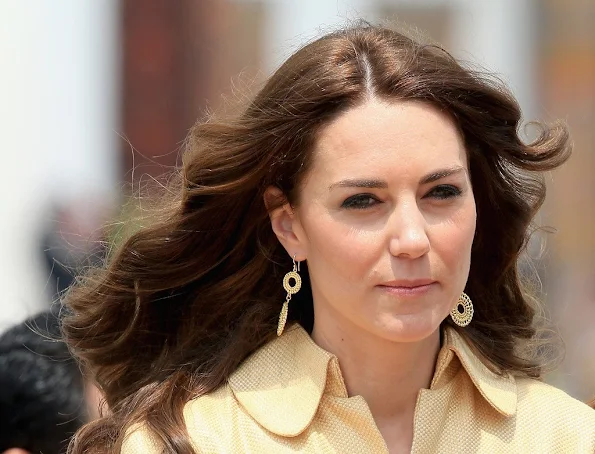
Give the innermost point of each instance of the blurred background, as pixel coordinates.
(97, 97)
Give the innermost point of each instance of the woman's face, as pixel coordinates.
(385, 219)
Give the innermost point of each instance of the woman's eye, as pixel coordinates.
(359, 201)
(444, 191)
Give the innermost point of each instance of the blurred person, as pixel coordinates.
(42, 392)
(337, 273)
(73, 240)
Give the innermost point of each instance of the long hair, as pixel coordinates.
(184, 301)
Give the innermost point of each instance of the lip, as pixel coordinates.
(408, 287)
(408, 283)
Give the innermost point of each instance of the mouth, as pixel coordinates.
(408, 287)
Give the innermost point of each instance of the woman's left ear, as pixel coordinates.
(284, 222)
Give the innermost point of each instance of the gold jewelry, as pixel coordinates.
(462, 313)
(291, 290)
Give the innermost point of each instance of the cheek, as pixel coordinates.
(455, 238)
(340, 250)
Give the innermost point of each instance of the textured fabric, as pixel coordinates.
(290, 396)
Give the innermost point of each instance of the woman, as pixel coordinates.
(338, 273)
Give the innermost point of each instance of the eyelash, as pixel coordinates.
(355, 202)
(362, 201)
(448, 191)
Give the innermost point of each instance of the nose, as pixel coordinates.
(408, 232)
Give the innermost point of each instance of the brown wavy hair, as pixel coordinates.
(184, 301)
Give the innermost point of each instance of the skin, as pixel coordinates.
(93, 398)
(385, 219)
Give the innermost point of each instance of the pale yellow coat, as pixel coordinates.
(290, 396)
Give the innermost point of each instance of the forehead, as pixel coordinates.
(381, 139)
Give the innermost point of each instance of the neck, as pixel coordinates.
(387, 374)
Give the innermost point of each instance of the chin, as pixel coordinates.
(409, 329)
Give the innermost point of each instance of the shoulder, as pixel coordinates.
(211, 410)
(213, 419)
(550, 413)
(140, 440)
(536, 395)
(207, 420)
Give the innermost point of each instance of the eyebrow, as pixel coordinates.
(360, 183)
(442, 173)
(381, 184)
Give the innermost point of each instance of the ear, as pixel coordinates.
(285, 223)
(15, 451)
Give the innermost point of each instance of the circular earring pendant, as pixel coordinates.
(292, 289)
(462, 313)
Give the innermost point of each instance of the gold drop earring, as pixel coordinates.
(462, 313)
(291, 290)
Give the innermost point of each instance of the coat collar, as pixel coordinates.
(291, 373)
(499, 390)
(287, 374)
